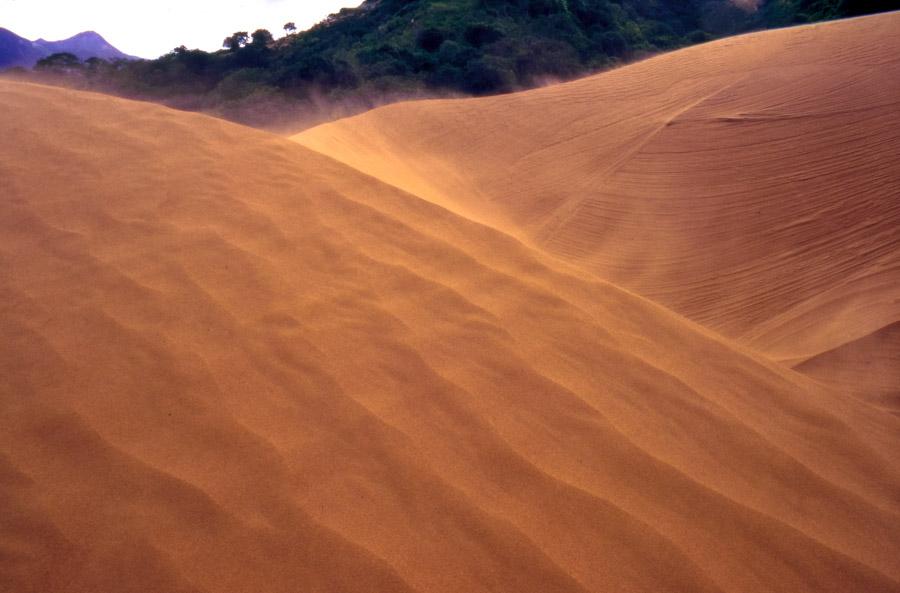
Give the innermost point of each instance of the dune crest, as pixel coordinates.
(750, 183)
(233, 364)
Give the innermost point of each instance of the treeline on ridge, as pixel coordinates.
(388, 49)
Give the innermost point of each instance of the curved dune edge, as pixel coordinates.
(233, 364)
(749, 183)
(867, 367)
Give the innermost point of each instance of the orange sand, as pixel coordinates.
(233, 364)
(750, 184)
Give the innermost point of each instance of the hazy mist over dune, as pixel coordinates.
(750, 184)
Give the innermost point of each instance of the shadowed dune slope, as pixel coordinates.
(869, 367)
(233, 364)
(750, 184)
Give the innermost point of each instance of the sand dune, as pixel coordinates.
(233, 364)
(867, 367)
(750, 184)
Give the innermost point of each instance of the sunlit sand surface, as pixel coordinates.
(231, 363)
(750, 184)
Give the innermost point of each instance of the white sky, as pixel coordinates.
(151, 28)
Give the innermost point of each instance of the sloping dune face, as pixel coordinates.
(233, 364)
(750, 184)
(867, 367)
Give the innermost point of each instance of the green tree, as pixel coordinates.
(236, 41)
(262, 38)
(59, 62)
(430, 39)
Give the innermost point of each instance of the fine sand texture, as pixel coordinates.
(751, 184)
(232, 364)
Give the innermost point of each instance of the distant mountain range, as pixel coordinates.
(18, 51)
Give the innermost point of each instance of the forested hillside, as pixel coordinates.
(388, 49)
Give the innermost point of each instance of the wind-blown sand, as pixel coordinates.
(231, 363)
(750, 184)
